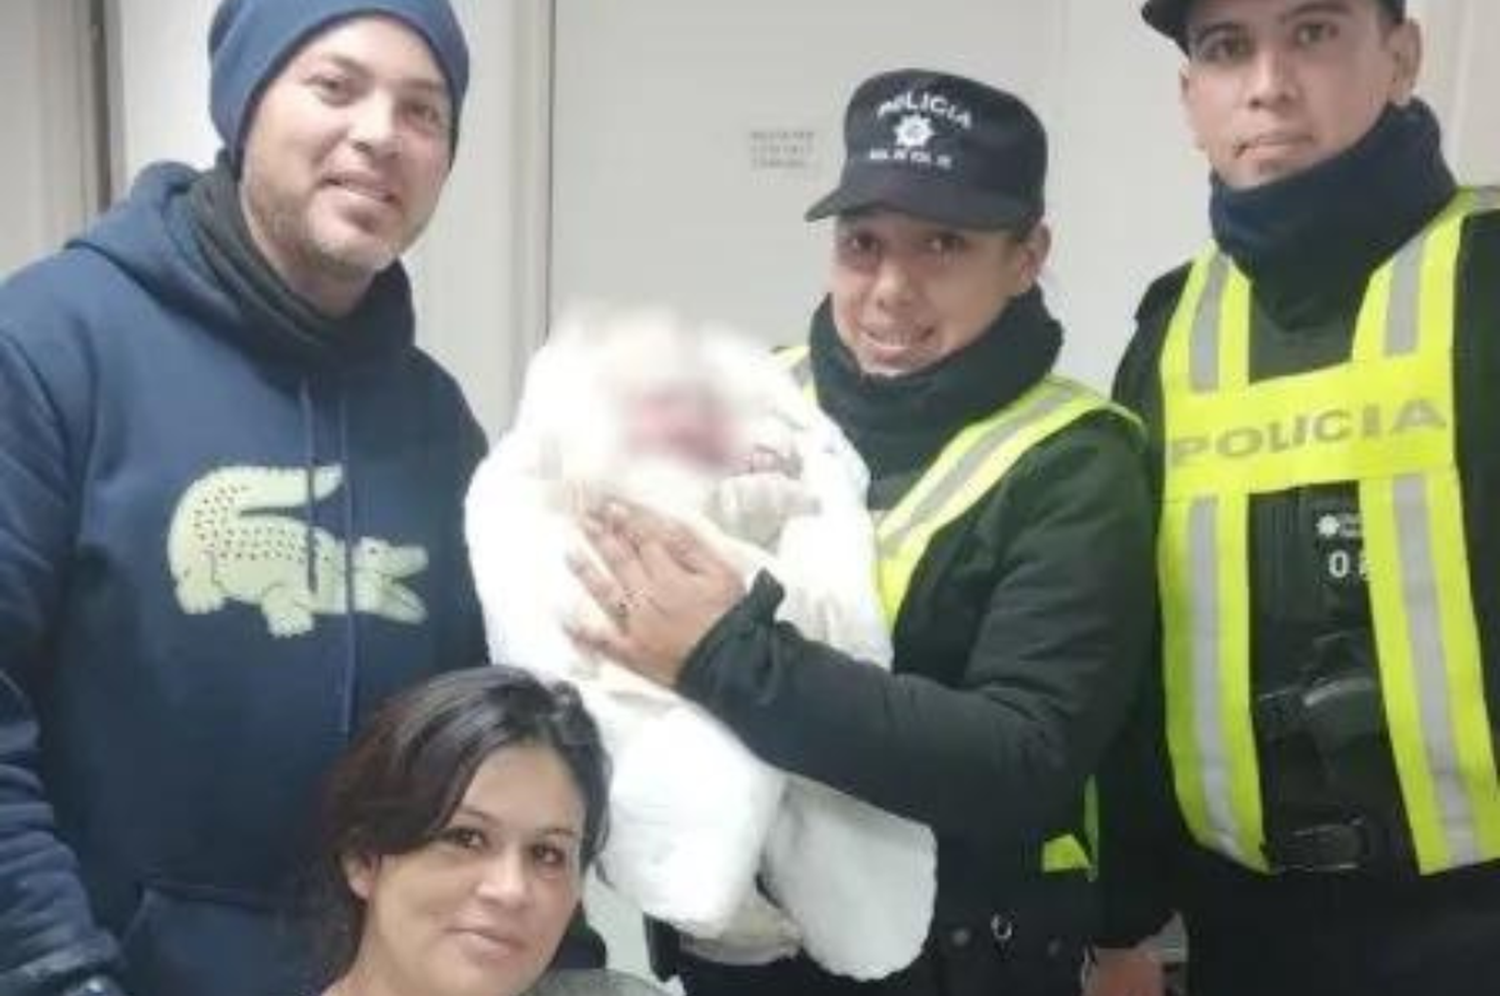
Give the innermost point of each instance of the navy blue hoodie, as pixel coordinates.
(216, 554)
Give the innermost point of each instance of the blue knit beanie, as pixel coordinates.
(251, 40)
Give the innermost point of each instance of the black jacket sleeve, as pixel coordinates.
(1004, 754)
(48, 938)
(1140, 831)
(473, 648)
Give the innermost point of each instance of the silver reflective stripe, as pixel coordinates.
(1206, 622)
(969, 464)
(1430, 660)
(1430, 665)
(1203, 354)
(1404, 320)
(1208, 677)
(1403, 324)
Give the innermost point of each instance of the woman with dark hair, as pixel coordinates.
(457, 832)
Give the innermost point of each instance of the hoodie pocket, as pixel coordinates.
(187, 941)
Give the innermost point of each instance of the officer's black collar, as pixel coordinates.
(1323, 230)
(898, 424)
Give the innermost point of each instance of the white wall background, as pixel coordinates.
(645, 193)
(1461, 78)
(650, 184)
(657, 201)
(47, 172)
(656, 102)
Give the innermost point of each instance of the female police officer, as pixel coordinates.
(1015, 551)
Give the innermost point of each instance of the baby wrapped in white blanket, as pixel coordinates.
(708, 429)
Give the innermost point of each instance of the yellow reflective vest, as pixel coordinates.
(1384, 420)
(967, 469)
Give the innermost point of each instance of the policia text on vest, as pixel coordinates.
(1322, 427)
(964, 472)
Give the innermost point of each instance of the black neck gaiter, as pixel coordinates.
(282, 324)
(1342, 218)
(898, 424)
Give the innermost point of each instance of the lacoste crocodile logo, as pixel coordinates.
(227, 544)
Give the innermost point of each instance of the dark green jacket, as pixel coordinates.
(1017, 652)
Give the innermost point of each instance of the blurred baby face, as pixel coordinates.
(680, 420)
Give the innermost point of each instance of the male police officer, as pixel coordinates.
(1319, 390)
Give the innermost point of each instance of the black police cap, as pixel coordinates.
(942, 148)
(1170, 16)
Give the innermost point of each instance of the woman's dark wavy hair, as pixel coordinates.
(396, 788)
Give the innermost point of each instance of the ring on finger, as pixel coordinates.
(619, 610)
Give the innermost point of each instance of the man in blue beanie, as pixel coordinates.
(1313, 782)
(230, 510)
